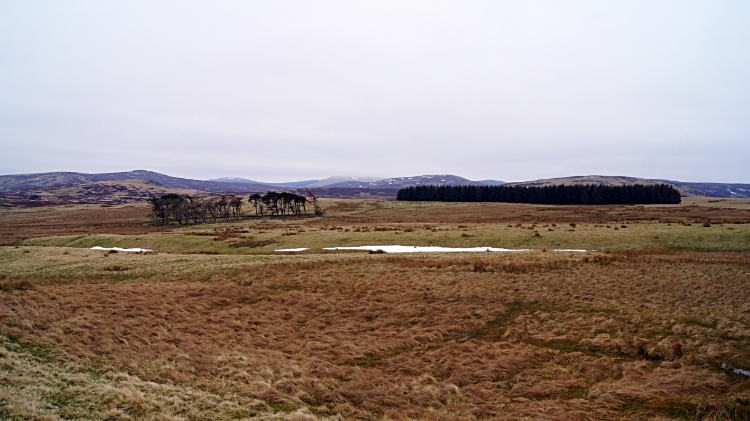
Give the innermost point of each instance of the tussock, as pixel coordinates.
(15, 284)
(399, 337)
(251, 243)
(640, 383)
(36, 388)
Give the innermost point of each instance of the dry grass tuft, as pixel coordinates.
(116, 268)
(407, 337)
(36, 388)
(15, 284)
(251, 243)
(226, 234)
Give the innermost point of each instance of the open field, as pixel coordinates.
(360, 223)
(650, 324)
(21, 223)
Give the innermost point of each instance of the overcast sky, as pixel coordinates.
(280, 91)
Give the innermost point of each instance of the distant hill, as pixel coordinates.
(52, 179)
(370, 182)
(128, 191)
(588, 179)
(492, 182)
(304, 183)
(234, 180)
(133, 186)
(419, 180)
(99, 192)
(353, 181)
(736, 191)
(122, 187)
(335, 181)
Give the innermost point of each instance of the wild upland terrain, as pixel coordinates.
(129, 191)
(60, 188)
(650, 322)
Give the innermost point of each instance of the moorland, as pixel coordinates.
(60, 188)
(650, 321)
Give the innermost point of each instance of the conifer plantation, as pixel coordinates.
(588, 194)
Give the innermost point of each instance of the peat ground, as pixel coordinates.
(644, 328)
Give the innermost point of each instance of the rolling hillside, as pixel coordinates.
(712, 189)
(330, 181)
(128, 191)
(100, 192)
(132, 186)
(304, 183)
(54, 179)
(419, 180)
(588, 179)
(686, 189)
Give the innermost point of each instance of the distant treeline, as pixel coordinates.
(576, 194)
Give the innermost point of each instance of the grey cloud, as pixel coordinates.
(285, 90)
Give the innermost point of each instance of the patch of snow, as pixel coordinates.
(416, 249)
(580, 250)
(136, 250)
(292, 250)
(736, 370)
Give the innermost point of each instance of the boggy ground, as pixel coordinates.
(627, 335)
(648, 333)
(698, 224)
(21, 223)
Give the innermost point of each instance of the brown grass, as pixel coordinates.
(21, 223)
(251, 243)
(505, 213)
(14, 284)
(627, 334)
(597, 336)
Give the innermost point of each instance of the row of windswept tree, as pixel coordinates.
(186, 209)
(280, 204)
(576, 194)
